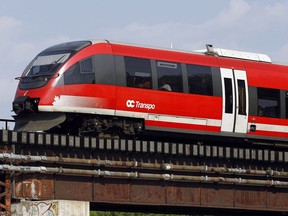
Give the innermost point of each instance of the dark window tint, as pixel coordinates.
(86, 66)
(286, 101)
(80, 73)
(241, 97)
(286, 105)
(138, 72)
(72, 75)
(104, 69)
(70, 46)
(228, 95)
(268, 102)
(169, 76)
(199, 79)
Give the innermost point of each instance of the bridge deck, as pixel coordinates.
(193, 177)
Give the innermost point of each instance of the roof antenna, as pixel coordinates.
(210, 49)
(171, 45)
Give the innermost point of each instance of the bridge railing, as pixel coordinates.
(7, 124)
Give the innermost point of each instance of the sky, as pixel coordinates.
(27, 27)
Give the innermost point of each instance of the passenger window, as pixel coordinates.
(138, 72)
(228, 95)
(286, 104)
(241, 97)
(268, 102)
(199, 79)
(169, 76)
(80, 73)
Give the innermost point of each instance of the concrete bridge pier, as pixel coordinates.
(51, 208)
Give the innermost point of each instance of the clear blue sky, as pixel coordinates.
(27, 27)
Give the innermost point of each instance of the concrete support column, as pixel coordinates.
(51, 208)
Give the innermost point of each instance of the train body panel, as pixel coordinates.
(170, 109)
(267, 75)
(88, 98)
(102, 85)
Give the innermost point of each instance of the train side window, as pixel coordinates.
(72, 75)
(286, 105)
(87, 74)
(241, 97)
(228, 95)
(200, 79)
(138, 72)
(80, 73)
(86, 66)
(268, 102)
(169, 76)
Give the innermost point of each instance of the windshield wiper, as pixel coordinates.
(37, 75)
(56, 62)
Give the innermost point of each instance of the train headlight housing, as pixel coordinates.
(25, 104)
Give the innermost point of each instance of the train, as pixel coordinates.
(100, 87)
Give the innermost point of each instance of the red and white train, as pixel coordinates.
(94, 87)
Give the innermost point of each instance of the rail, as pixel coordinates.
(6, 122)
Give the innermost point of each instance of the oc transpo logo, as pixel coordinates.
(140, 105)
(130, 103)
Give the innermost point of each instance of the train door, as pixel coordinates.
(235, 100)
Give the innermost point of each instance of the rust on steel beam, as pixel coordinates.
(5, 178)
(128, 191)
(5, 196)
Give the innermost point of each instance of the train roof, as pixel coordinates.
(68, 46)
(210, 50)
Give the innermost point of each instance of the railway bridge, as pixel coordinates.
(41, 170)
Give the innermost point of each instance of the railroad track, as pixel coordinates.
(35, 140)
(153, 160)
(181, 158)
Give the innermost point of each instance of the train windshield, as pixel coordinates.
(41, 69)
(48, 62)
(44, 65)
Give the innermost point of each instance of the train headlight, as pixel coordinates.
(25, 104)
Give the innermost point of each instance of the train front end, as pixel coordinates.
(38, 86)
